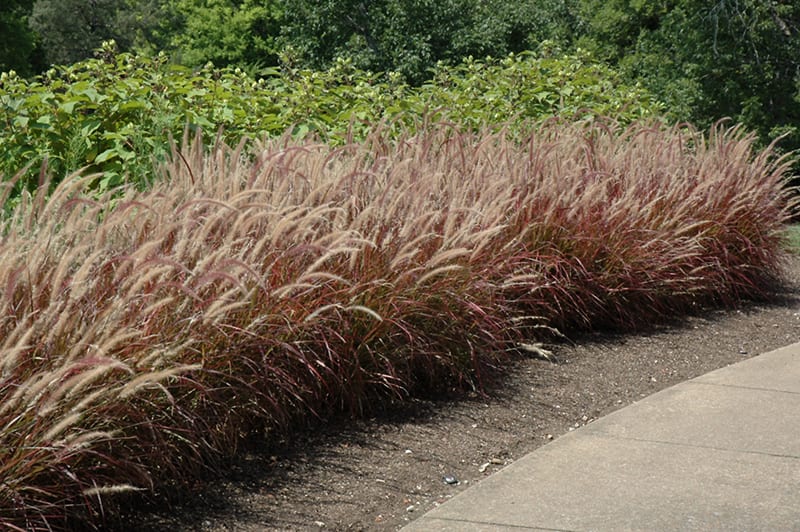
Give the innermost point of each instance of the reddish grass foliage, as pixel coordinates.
(143, 336)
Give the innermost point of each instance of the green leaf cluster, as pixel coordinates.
(528, 86)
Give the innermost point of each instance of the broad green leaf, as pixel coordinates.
(132, 105)
(106, 155)
(67, 107)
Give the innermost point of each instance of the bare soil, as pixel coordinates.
(383, 472)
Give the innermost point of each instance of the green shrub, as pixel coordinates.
(115, 114)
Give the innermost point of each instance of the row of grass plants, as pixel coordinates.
(260, 286)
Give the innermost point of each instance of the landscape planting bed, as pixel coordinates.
(148, 334)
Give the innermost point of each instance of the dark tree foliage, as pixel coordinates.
(411, 36)
(148, 25)
(18, 47)
(71, 29)
(707, 60)
(524, 25)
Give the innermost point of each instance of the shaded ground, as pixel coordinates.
(379, 474)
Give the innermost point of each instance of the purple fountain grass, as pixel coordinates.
(145, 335)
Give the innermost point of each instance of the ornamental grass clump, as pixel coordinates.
(144, 335)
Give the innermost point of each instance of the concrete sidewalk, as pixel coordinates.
(719, 452)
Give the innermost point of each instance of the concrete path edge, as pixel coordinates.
(718, 452)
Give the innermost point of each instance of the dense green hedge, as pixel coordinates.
(115, 113)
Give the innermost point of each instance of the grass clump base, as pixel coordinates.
(144, 336)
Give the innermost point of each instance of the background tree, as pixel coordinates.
(148, 25)
(411, 36)
(503, 27)
(226, 32)
(71, 29)
(737, 59)
(18, 47)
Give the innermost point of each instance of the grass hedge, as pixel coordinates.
(142, 338)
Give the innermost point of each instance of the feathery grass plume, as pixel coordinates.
(145, 335)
